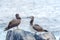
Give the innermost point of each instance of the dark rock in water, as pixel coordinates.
(22, 35)
(38, 37)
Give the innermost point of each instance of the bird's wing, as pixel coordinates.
(12, 22)
(36, 26)
(9, 25)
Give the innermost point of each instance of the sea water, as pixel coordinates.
(46, 13)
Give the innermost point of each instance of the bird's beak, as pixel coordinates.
(25, 17)
(28, 17)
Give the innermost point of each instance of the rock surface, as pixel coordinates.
(24, 35)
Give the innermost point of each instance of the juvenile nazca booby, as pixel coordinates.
(14, 22)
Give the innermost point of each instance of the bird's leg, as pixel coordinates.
(17, 27)
(35, 32)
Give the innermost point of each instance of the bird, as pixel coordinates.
(36, 27)
(14, 22)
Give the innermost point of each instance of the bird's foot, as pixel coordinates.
(35, 32)
(17, 29)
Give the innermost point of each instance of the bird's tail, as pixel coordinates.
(6, 29)
(45, 30)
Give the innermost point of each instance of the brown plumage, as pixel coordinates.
(14, 22)
(36, 26)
